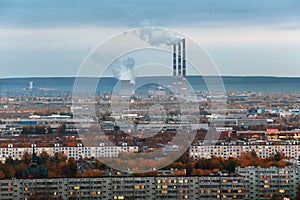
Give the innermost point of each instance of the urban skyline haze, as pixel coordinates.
(52, 38)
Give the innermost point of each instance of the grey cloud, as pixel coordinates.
(36, 13)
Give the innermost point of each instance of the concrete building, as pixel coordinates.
(226, 150)
(80, 151)
(250, 183)
(220, 186)
(265, 182)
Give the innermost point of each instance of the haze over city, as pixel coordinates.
(52, 38)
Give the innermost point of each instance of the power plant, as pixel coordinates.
(127, 82)
(179, 67)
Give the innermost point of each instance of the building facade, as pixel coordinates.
(250, 183)
(75, 152)
(265, 182)
(236, 150)
(204, 187)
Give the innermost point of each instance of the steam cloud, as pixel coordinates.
(156, 36)
(30, 85)
(121, 69)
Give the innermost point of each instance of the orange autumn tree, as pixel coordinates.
(250, 159)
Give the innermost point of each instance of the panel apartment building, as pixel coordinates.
(227, 150)
(220, 186)
(250, 183)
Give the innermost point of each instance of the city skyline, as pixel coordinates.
(195, 99)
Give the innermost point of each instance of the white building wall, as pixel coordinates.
(75, 152)
(226, 151)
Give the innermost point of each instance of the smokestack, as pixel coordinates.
(174, 60)
(179, 60)
(183, 59)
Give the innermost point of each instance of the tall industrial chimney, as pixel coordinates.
(179, 60)
(183, 59)
(179, 66)
(174, 60)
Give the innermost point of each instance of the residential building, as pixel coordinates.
(265, 182)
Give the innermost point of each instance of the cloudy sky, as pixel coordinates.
(52, 37)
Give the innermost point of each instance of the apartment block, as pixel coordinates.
(265, 182)
(74, 152)
(234, 150)
(217, 186)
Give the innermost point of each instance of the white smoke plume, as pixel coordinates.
(30, 85)
(157, 36)
(122, 69)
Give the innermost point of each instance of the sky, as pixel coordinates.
(53, 37)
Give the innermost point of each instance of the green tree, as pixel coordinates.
(44, 158)
(10, 161)
(253, 153)
(230, 164)
(72, 166)
(26, 158)
(202, 163)
(278, 156)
